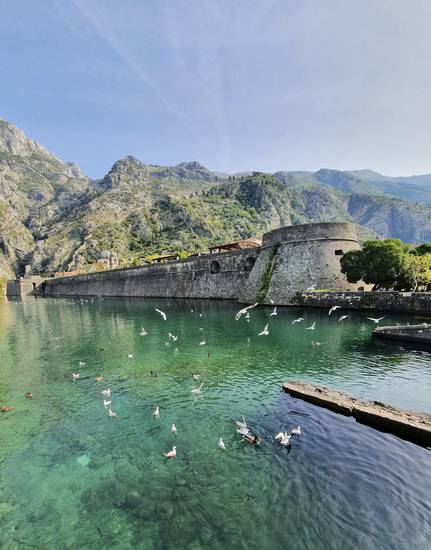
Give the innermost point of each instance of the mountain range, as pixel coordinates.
(54, 218)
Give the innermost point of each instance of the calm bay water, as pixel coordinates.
(71, 477)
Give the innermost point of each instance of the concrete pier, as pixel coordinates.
(409, 333)
(415, 427)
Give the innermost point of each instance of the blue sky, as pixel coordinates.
(235, 84)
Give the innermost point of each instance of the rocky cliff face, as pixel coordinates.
(54, 218)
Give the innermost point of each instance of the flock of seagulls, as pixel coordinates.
(284, 438)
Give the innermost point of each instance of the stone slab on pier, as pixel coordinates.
(408, 333)
(415, 427)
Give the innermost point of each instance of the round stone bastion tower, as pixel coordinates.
(298, 257)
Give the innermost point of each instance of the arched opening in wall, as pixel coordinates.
(214, 267)
(249, 263)
(339, 252)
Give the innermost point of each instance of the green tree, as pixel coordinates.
(415, 272)
(379, 263)
(422, 249)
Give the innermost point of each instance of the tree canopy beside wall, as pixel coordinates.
(389, 263)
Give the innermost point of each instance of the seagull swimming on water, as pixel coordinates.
(130, 355)
(202, 343)
(143, 332)
(333, 308)
(162, 313)
(296, 431)
(196, 376)
(75, 375)
(106, 403)
(342, 318)
(197, 391)
(299, 320)
(274, 312)
(106, 392)
(111, 413)
(174, 429)
(221, 444)
(265, 331)
(82, 363)
(375, 320)
(156, 412)
(284, 438)
(171, 454)
(313, 326)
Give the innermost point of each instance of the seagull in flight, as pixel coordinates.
(111, 413)
(333, 308)
(265, 331)
(312, 287)
(106, 403)
(162, 313)
(313, 326)
(375, 320)
(244, 311)
(130, 355)
(342, 318)
(82, 363)
(171, 454)
(75, 375)
(172, 337)
(299, 320)
(143, 332)
(274, 312)
(221, 444)
(202, 343)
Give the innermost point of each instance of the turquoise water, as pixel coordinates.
(72, 477)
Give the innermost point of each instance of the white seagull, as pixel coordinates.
(75, 375)
(244, 311)
(274, 312)
(143, 332)
(312, 287)
(202, 343)
(342, 318)
(82, 363)
(299, 320)
(313, 326)
(162, 313)
(107, 392)
(243, 429)
(221, 444)
(106, 403)
(111, 413)
(197, 391)
(171, 454)
(130, 355)
(172, 337)
(174, 429)
(196, 376)
(375, 320)
(284, 438)
(296, 431)
(333, 308)
(156, 412)
(265, 331)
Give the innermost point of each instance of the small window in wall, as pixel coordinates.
(249, 263)
(339, 252)
(215, 267)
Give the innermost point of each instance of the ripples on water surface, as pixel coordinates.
(73, 478)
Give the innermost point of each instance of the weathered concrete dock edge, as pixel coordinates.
(415, 427)
(411, 333)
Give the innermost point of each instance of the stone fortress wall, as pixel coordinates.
(290, 260)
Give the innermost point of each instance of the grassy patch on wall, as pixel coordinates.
(266, 279)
